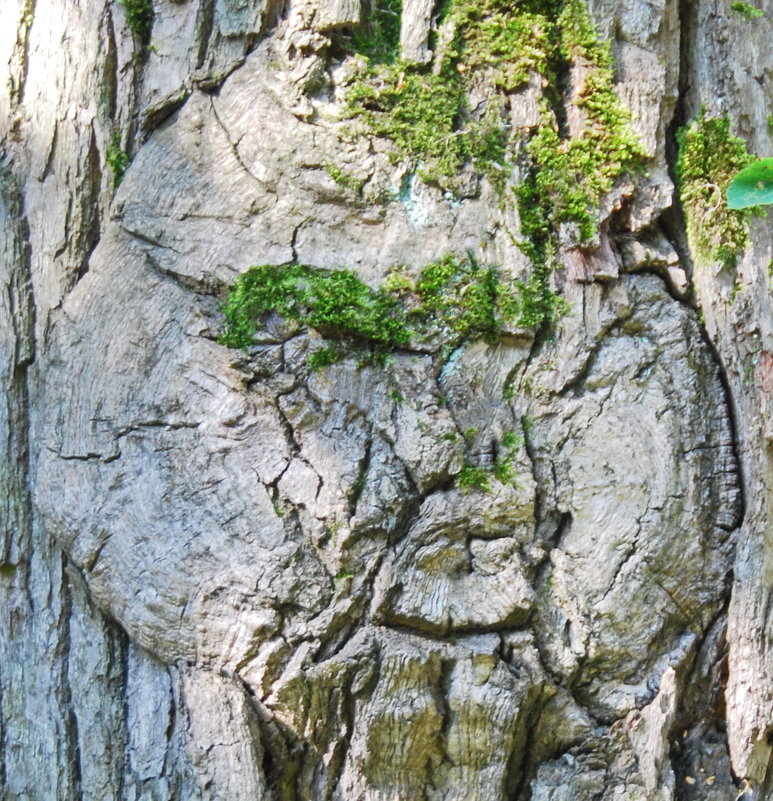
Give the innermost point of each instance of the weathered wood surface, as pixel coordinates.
(238, 580)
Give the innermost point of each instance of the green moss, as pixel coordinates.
(511, 440)
(330, 535)
(344, 179)
(461, 297)
(510, 42)
(471, 477)
(7, 569)
(747, 10)
(734, 292)
(503, 469)
(709, 158)
(570, 172)
(451, 300)
(504, 472)
(487, 143)
(139, 17)
(378, 37)
(419, 113)
(527, 424)
(359, 485)
(398, 281)
(540, 305)
(324, 357)
(424, 113)
(334, 301)
(569, 169)
(117, 159)
(573, 158)
(578, 37)
(571, 175)
(468, 300)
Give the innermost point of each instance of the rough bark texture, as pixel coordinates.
(227, 576)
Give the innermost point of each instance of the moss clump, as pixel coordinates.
(7, 569)
(342, 575)
(582, 146)
(139, 17)
(117, 159)
(471, 477)
(460, 299)
(503, 469)
(709, 158)
(378, 37)
(425, 117)
(747, 10)
(334, 301)
(418, 112)
(510, 42)
(344, 179)
(451, 300)
(424, 111)
(324, 357)
(571, 171)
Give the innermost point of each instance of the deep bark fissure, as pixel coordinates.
(700, 718)
(88, 191)
(71, 746)
(17, 536)
(21, 51)
(521, 771)
(672, 218)
(674, 226)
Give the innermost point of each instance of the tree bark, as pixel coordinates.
(226, 575)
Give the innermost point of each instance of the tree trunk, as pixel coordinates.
(505, 537)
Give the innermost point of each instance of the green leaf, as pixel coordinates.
(753, 186)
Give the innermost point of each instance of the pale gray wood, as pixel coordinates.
(227, 579)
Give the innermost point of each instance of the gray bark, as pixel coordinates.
(228, 577)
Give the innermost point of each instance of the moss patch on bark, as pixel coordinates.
(452, 300)
(709, 158)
